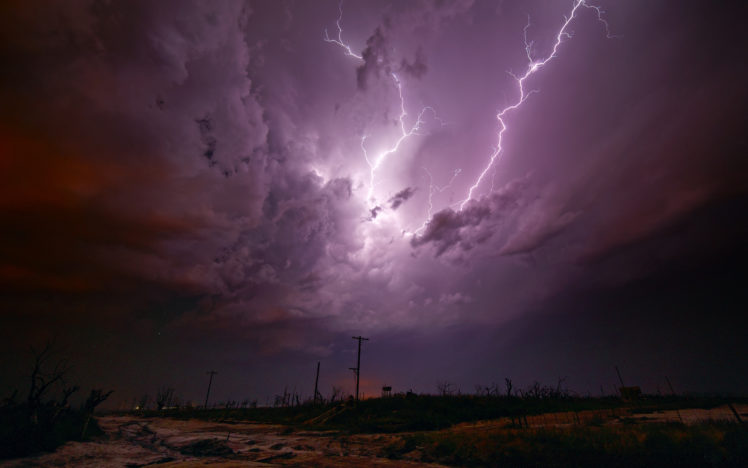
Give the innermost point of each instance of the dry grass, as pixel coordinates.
(632, 444)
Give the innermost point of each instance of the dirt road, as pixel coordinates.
(136, 442)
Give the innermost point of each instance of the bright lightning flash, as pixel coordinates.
(404, 134)
(376, 161)
(339, 40)
(435, 189)
(532, 67)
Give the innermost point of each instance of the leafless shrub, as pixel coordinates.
(444, 388)
(47, 373)
(143, 402)
(337, 394)
(488, 390)
(164, 398)
(95, 398)
(538, 391)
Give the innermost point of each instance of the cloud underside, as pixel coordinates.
(189, 159)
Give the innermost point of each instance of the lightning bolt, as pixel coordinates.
(375, 163)
(339, 40)
(435, 189)
(404, 135)
(533, 66)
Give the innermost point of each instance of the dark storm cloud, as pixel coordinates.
(424, 17)
(284, 249)
(462, 231)
(376, 60)
(184, 184)
(401, 197)
(448, 228)
(417, 68)
(127, 158)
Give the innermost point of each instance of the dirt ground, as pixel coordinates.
(134, 442)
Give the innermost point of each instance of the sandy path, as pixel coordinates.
(136, 442)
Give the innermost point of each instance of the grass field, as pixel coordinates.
(513, 431)
(430, 412)
(627, 445)
(425, 430)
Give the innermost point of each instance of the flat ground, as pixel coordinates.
(131, 441)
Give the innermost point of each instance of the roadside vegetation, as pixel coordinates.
(707, 444)
(537, 426)
(414, 412)
(44, 419)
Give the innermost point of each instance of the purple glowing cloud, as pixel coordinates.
(230, 178)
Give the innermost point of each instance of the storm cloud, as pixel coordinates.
(212, 183)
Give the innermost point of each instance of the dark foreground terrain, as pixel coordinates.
(588, 432)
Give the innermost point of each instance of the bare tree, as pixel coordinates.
(247, 403)
(508, 383)
(538, 391)
(95, 398)
(63, 403)
(337, 394)
(143, 402)
(46, 373)
(489, 390)
(283, 400)
(533, 391)
(560, 391)
(164, 397)
(444, 388)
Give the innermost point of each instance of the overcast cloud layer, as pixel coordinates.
(185, 186)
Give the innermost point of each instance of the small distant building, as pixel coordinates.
(386, 391)
(630, 393)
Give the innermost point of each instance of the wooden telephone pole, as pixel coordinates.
(357, 369)
(210, 382)
(316, 381)
(619, 377)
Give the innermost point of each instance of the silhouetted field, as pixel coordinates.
(523, 431)
(416, 430)
(430, 412)
(22, 434)
(705, 444)
(43, 419)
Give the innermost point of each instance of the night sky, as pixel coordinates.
(198, 185)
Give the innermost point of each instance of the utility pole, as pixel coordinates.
(672, 392)
(619, 377)
(210, 382)
(357, 369)
(316, 381)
